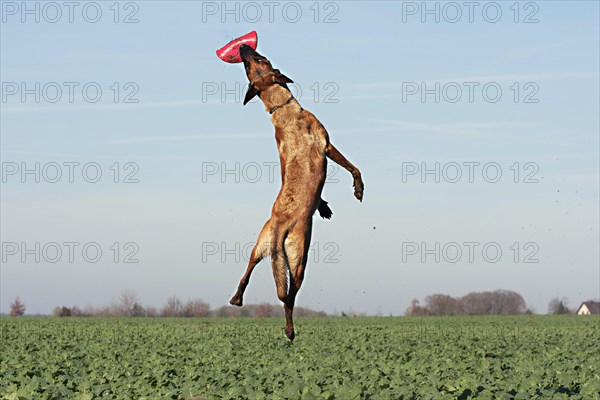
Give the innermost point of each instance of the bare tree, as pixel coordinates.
(127, 302)
(17, 309)
(76, 311)
(62, 312)
(173, 308)
(89, 310)
(498, 302)
(137, 310)
(196, 308)
(559, 306)
(443, 304)
(510, 302)
(415, 309)
(474, 303)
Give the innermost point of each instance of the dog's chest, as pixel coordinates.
(295, 141)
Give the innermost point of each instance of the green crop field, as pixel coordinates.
(524, 357)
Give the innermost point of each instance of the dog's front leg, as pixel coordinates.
(338, 158)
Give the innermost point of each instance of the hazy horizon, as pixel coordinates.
(115, 303)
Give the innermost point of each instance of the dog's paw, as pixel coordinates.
(289, 332)
(359, 188)
(236, 301)
(324, 210)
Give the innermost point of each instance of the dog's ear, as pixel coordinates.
(250, 93)
(281, 78)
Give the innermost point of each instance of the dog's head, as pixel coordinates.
(260, 73)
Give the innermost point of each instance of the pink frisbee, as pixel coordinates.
(231, 51)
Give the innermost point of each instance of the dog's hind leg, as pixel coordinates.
(296, 249)
(260, 251)
(279, 263)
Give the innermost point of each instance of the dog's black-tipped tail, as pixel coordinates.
(324, 210)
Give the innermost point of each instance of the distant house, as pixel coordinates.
(589, 308)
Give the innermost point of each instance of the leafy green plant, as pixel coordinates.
(525, 357)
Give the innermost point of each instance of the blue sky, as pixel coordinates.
(363, 74)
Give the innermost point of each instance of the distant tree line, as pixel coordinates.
(192, 308)
(128, 305)
(498, 302)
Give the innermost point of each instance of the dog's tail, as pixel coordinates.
(279, 263)
(324, 210)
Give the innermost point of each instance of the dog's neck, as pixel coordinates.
(277, 98)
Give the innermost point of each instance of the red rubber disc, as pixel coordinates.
(231, 51)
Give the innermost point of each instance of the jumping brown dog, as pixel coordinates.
(304, 146)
